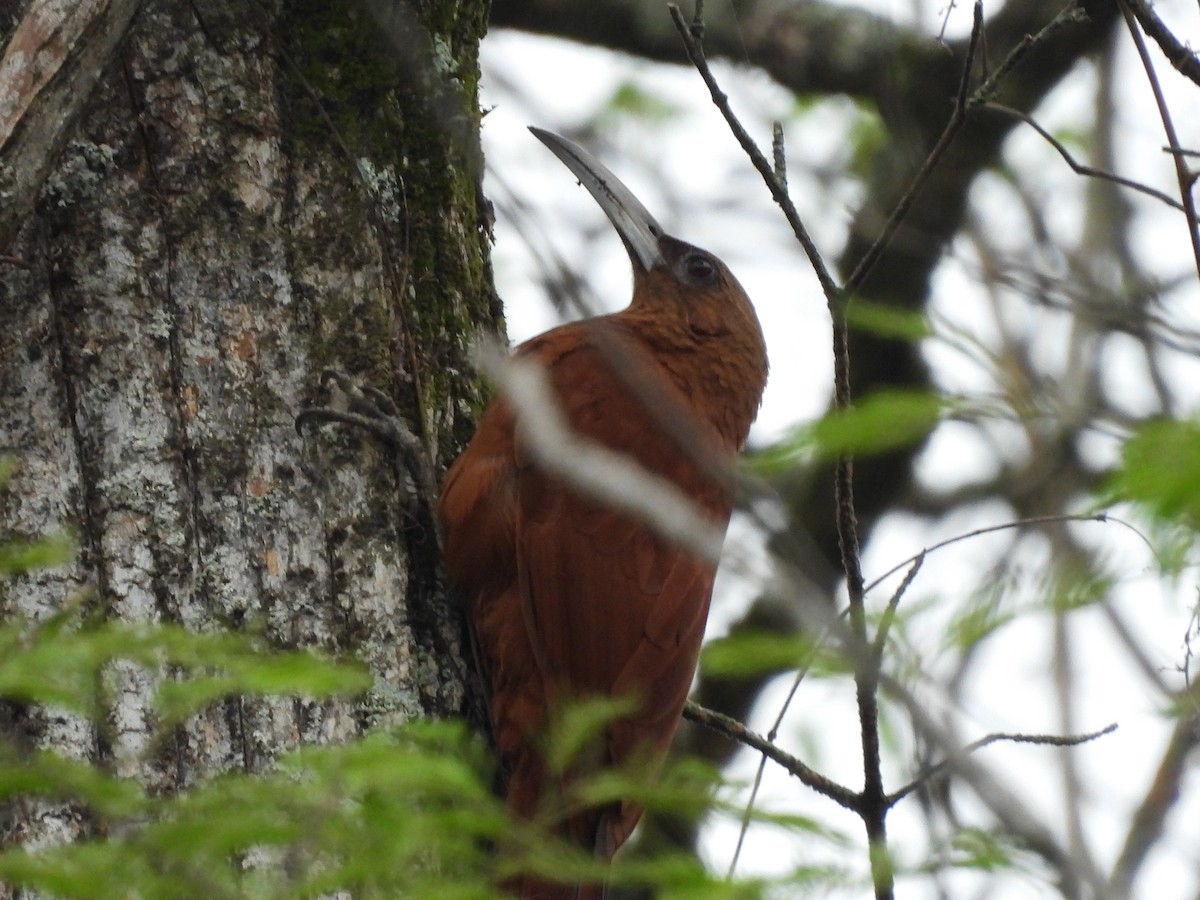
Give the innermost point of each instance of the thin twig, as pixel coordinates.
(868, 659)
(1177, 54)
(900, 211)
(1166, 790)
(1079, 168)
(1070, 14)
(871, 809)
(1053, 740)
(777, 152)
(771, 736)
(734, 729)
(949, 10)
(962, 106)
(778, 190)
(1182, 173)
(988, 529)
(889, 614)
(998, 794)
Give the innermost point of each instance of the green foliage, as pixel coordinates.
(631, 99)
(888, 321)
(1160, 471)
(886, 420)
(987, 612)
(405, 810)
(756, 652)
(18, 557)
(577, 727)
(1071, 590)
(974, 848)
(47, 774)
(408, 810)
(60, 660)
(867, 135)
(1172, 543)
(402, 812)
(990, 850)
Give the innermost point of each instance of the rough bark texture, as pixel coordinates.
(252, 193)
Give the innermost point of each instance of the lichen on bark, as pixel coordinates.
(251, 195)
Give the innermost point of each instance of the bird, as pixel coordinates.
(570, 598)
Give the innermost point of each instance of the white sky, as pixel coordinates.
(710, 197)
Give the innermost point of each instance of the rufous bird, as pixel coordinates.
(569, 598)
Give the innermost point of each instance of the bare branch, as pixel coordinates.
(1019, 523)
(1079, 168)
(1182, 173)
(1177, 54)
(962, 106)
(1013, 813)
(778, 189)
(871, 807)
(1053, 740)
(1149, 820)
(779, 157)
(732, 728)
(822, 637)
(889, 614)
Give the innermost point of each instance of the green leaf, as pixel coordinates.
(18, 557)
(882, 422)
(757, 652)
(867, 136)
(1071, 590)
(887, 321)
(975, 848)
(630, 98)
(579, 726)
(1160, 470)
(47, 774)
(58, 662)
(239, 667)
(984, 613)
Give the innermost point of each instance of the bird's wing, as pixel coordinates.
(610, 606)
(477, 508)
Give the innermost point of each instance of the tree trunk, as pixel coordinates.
(252, 193)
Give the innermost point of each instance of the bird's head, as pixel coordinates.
(670, 276)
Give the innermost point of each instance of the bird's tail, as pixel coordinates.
(527, 793)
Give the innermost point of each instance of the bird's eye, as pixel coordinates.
(700, 268)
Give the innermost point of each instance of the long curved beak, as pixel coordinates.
(639, 230)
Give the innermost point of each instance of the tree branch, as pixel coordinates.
(1184, 60)
(1053, 740)
(734, 729)
(1079, 168)
(47, 72)
(1186, 178)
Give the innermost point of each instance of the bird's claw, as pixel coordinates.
(363, 398)
(361, 406)
(370, 409)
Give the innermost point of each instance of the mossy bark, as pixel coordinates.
(254, 192)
